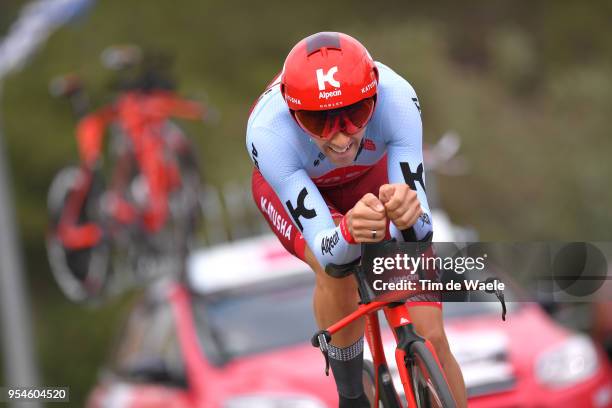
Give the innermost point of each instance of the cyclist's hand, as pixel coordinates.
(401, 204)
(367, 216)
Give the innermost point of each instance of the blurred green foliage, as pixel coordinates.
(526, 85)
(8, 11)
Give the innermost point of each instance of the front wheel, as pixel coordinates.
(369, 382)
(428, 383)
(387, 396)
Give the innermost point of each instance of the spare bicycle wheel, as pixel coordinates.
(81, 274)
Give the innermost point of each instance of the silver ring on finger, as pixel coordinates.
(373, 234)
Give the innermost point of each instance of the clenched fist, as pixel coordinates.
(367, 221)
(401, 204)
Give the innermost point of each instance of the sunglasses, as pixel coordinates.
(325, 124)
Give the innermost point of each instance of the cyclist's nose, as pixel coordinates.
(340, 139)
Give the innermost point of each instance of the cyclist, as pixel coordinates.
(336, 143)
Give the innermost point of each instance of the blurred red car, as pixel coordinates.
(237, 335)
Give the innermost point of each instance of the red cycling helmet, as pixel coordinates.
(329, 82)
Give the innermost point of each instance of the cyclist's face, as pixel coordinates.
(342, 148)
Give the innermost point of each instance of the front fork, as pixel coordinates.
(73, 234)
(385, 390)
(403, 330)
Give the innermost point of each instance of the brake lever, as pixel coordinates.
(500, 296)
(321, 340)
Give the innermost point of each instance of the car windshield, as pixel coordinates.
(278, 313)
(256, 318)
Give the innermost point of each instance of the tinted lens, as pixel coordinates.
(325, 124)
(312, 121)
(360, 113)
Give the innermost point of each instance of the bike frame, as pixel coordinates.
(398, 317)
(141, 115)
(72, 234)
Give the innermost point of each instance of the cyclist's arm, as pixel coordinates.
(405, 155)
(280, 165)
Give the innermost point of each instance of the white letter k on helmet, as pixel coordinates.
(329, 77)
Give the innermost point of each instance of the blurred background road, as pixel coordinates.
(526, 85)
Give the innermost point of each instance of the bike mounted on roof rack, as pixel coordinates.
(126, 215)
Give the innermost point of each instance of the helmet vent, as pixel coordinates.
(322, 40)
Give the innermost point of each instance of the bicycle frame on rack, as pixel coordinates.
(141, 116)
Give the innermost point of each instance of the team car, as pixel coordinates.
(235, 333)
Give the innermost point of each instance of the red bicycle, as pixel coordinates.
(139, 212)
(423, 380)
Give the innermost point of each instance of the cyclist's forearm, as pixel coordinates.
(421, 231)
(331, 246)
